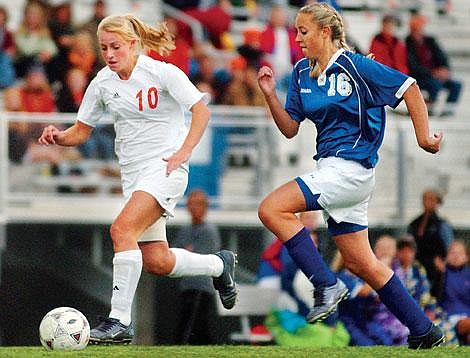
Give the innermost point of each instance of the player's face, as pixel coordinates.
(310, 36)
(117, 53)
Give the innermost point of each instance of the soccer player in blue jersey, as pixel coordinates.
(344, 94)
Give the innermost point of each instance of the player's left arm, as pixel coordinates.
(387, 86)
(200, 118)
(419, 116)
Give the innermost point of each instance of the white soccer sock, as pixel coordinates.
(127, 267)
(191, 264)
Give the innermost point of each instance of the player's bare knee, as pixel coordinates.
(160, 265)
(266, 213)
(121, 236)
(116, 231)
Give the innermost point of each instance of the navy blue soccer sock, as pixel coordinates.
(397, 299)
(304, 253)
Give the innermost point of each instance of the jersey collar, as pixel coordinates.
(322, 77)
(333, 59)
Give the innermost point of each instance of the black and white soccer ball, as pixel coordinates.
(64, 328)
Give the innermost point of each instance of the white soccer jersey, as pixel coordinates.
(147, 109)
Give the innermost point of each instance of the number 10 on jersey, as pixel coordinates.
(152, 98)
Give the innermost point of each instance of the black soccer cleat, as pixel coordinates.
(225, 283)
(433, 338)
(326, 300)
(111, 331)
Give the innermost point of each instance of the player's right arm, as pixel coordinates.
(283, 120)
(72, 136)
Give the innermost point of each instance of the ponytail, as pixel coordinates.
(130, 28)
(156, 38)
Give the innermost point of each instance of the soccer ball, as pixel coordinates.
(64, 328)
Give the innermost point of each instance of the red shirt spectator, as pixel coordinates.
(216, 20)
(271, 45)
(387, 48)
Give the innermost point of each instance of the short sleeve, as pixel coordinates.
(181, 88)
(384, 85)
(92, 108)
(293, 101)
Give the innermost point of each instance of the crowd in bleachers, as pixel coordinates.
(47, 61)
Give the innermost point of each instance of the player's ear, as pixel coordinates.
(326, 31)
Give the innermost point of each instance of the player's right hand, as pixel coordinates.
(432, 144)
(266, 80)
(49, 135)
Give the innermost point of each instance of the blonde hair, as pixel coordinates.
(325, 16)
(131, 28)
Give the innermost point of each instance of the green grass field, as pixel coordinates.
(235, 351)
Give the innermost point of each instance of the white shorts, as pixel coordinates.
(345, 188)
(152, 179)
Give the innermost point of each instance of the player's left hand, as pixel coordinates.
(432, 144)
(178, 158)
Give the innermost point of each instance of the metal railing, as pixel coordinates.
(403, 173)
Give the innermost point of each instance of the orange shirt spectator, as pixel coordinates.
(36, 94)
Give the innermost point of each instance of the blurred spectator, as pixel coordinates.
(7, 51)
(34, 96)
(278, 270)
(354, 312)
(443, 7)
(414, 278)
(60, 26)
(81, 54)
(183, 4)
(216, 21)
(250, 49)
(100, 145)
(432, 235)
(333, 3)
(33, 40)
(205, 70)
(389, 49)
(18, 132)
(385, 248)
(243, 89)
(72, 90)
(91, 26)
(181, 56)
(429, 65)
(198, 306)
(279, 45)
(455, 298)
(36, 93)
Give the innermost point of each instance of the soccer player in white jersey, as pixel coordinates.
(146, 99)
(344, 94)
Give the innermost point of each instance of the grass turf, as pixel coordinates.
(235, 351)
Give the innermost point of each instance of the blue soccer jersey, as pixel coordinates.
(346, 103)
